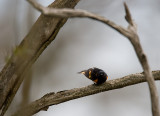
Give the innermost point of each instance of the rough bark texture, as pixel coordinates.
(63, 96)
(40, 36)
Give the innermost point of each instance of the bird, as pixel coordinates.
(98, 76)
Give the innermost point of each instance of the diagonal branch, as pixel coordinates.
(130, 33)
(63, 96)
(42, 33)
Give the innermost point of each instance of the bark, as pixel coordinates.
(40, 36)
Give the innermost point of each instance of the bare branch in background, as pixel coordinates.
(134, 38)
(64, 96)
(42, 33)
(26, 88)
(130, 33)
(66, 12)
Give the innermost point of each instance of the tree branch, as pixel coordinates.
(40, 36)
(128, 16)
(67, 12)
(134, 38)
(130, 33)
(63, 96)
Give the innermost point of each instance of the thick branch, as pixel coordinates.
(63, 96)
(130, 33)
(40, 36)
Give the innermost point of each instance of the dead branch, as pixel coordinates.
(63, 96)
(40, 36)
(130, 33)
(134, 38)
(66, 12)
(26, 88)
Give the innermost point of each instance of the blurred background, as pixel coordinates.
(82, 44)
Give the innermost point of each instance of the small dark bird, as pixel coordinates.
(97, 75)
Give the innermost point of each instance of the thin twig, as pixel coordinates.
(128, 16)
(63, 96)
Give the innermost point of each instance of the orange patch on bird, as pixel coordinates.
(89, 74)
(107, 77)
(96, 80)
